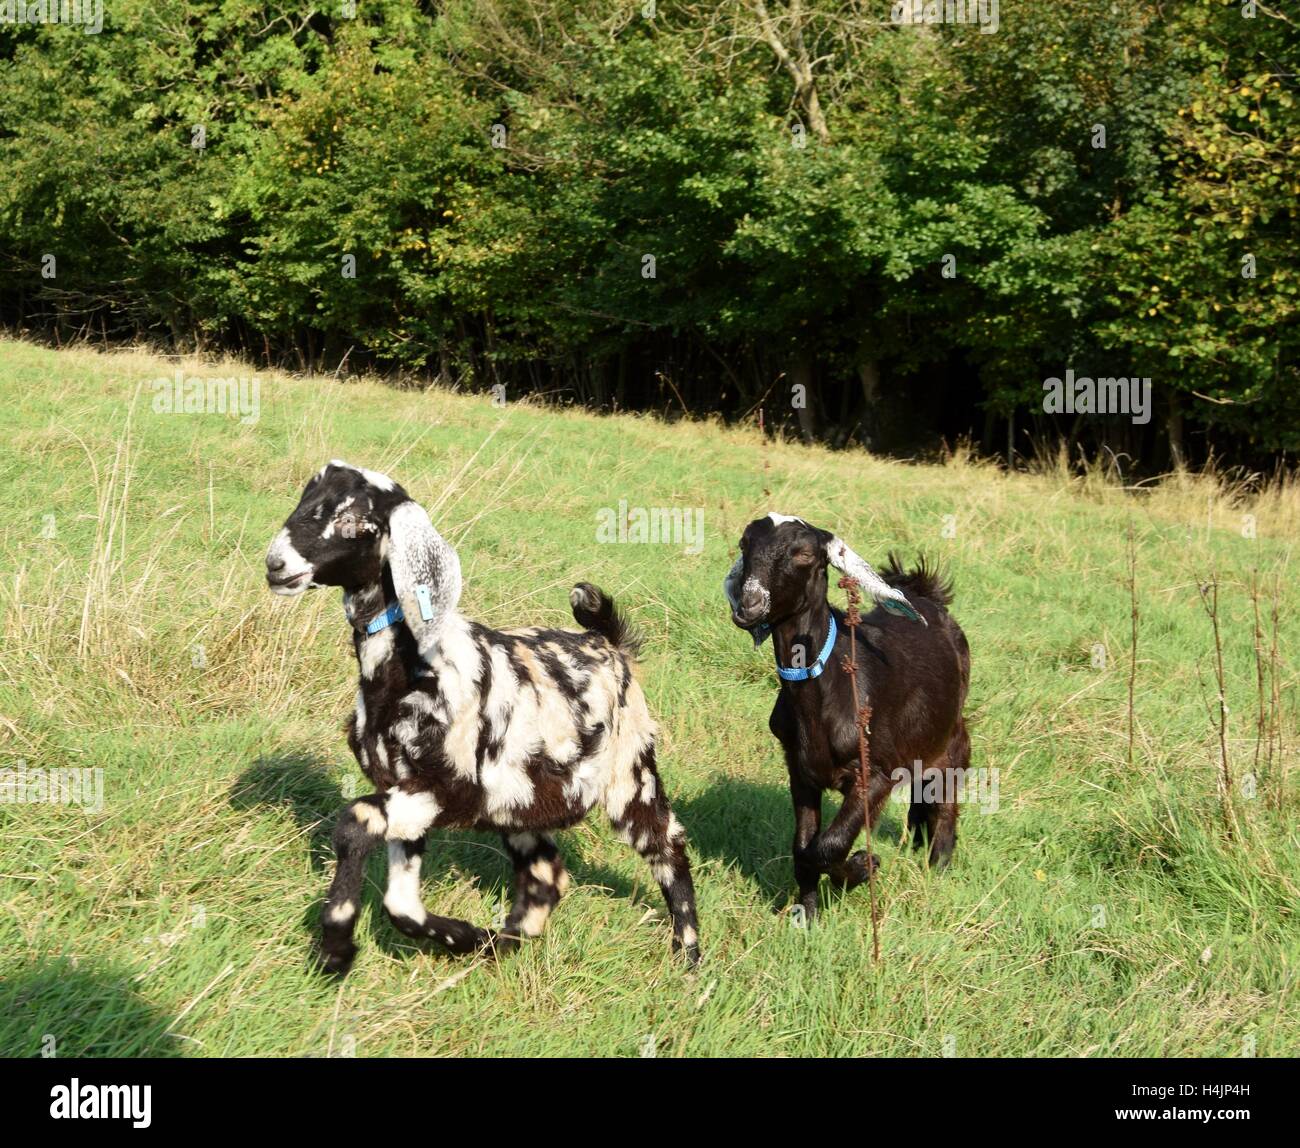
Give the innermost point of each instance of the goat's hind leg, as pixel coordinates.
(941, 820)
(932, 816)
(647, 823)
(540, 881)
(933, 821)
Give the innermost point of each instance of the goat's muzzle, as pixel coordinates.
(290, 585)
(755, 601)
(287, 572)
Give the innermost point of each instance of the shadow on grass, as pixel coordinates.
(305, 786)
(53, 1007)
(742, 823)
(749, 825)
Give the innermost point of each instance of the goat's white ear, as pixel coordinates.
(847, 561)
(425, 569)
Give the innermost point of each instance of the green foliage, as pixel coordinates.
(500, 170)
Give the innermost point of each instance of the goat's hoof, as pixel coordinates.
(854, 870)
(337, 961)
(464, 941)
(803, 911)
(497, 945)
(939, 861)
(690, 952)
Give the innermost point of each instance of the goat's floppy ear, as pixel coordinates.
(844, 559)
(731, 583)
(425, 569)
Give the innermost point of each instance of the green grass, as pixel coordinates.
(178, 920)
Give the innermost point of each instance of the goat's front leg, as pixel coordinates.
(807, 821)
(360, 828)
(410, 816)
(406, 910)
(830, 847)
(829, 851)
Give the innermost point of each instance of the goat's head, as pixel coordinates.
(351, 523)
(781, 571)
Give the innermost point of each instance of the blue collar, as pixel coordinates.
(803, 673)
(394, 612)
(382, 621)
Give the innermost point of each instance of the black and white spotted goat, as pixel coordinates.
(520, 731)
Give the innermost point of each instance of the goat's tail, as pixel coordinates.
(593, 609)
(925, 579)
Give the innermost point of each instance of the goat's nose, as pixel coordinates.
(274, 565)
(751, 600)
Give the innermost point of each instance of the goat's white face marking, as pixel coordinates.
(295, 574)
(328, 532)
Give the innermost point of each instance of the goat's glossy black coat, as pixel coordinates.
(915, 678)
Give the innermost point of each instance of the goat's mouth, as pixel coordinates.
(290, 584)
(744, 621)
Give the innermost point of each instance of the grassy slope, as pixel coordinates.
(222, 779)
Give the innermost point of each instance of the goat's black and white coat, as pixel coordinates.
(458, 725)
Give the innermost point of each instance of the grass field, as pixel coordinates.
(1102, 910)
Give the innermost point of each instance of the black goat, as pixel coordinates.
(456, 725)
(914, 675)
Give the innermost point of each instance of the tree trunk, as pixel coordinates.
(869, 377)
(1174, 431)
(801, 374)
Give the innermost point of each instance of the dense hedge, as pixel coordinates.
(914, 223)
